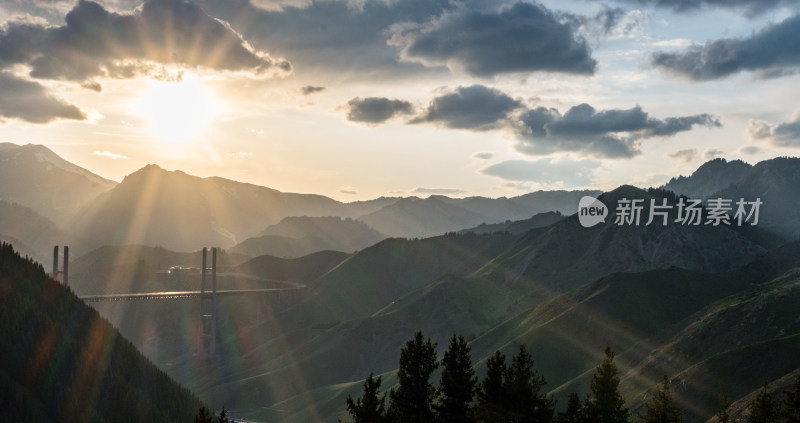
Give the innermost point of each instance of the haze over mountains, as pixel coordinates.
(153, 206)
(36, 177)
(711, 307)
(662, 296)
(183, 212)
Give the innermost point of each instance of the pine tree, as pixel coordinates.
(661, 408)
(412, 400)
(492, 400)
(457, 385)
(762, 409)
(605, 404)
(574, 413)
(523, 387)
(223, 416)
(203, 416)
(790, 410)
(370, 407)
(723, 415)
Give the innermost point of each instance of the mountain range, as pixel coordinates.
(34, 176)
(156, 207)
(661, 296)
(712, 307)
(182, 212)
(299, 236)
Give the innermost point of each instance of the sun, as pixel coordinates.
(177, 112)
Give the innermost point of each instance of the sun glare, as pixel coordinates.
(177, 111)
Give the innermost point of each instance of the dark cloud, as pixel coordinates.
(609, 133)
(310, 89)
(92, 85)
(774, 51)
(96, 42)
(29, 101)
(376, 110)
(751, 7)
(323, 35)
(685, 156)
(546, 171)
(483, 156)
(524, 38)
(671, 126)
(476, 107)
(786, 134)
(750, 149)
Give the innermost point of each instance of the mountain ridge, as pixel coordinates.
(54, 187)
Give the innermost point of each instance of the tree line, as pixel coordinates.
(512, 392)
(61, 362)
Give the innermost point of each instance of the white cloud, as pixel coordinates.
(106, 153)
(675, 42)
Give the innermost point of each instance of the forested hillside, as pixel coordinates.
(60, 361)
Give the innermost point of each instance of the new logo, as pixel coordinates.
(591, 211)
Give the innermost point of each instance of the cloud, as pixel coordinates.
(310, 89)
(614, 133)
(92, 85)
(475, 107)
(318, 36)
(772, 52)
(712, 153)
(29, 101)
(439, 191)
(348, 190)
(376, 110)
(524, 38)
(750, 149)
(278, 5)
(483, 156)
(95, 42)
(674, 42)
(106, 153)
(614, 23)
(546, 171)
(685, 156)
(786, 134)
(751, 7)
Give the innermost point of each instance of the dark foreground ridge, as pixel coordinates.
(60, 361)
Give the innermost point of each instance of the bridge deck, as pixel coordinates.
(182, 294)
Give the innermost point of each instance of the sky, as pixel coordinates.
(356, 99)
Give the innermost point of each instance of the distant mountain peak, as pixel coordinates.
(41, 154)
(35, 176)
(711, 177)
(152, 167)
(154, 170)
(624, 191)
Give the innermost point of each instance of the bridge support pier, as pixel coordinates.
(63, 273)
(209, 304)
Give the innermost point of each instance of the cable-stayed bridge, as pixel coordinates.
(208, 293)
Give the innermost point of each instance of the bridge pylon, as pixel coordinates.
(65, 272)
(208, 303)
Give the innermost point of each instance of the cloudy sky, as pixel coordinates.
(355, 99)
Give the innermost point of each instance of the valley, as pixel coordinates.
(712, 308)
